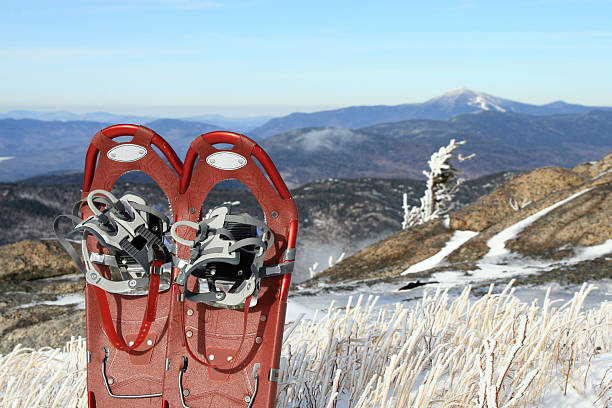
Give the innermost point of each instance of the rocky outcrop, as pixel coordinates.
(34, 259)
(569, 208)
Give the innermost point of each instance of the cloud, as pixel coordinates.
(328, 138)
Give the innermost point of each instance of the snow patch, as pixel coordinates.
(485, 103)
(497, 243)
(296, 311)
(583, 392)
(459, 238)
(76, 299)
(6, 158)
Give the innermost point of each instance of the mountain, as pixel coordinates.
(222, 122)
(501, 140)
(550, 224)
(180, 133)
(66, 116)
(240, 125)
(460, 101)
(19, 137)
(32, 147)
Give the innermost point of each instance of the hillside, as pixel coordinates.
(335, 215)
(562, 233)
(502, 141)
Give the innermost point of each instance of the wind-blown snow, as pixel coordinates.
(497, 243)
(459, 238)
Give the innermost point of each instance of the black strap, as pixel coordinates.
(63, 239)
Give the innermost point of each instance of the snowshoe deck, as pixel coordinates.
(208, 333)
(126, 335)
(228, 357)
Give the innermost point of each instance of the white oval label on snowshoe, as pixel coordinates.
(226, 160)
(127, 153)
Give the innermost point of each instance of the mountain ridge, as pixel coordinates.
(552, 223)
(443, 107)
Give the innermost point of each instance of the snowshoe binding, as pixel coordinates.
(127, 268)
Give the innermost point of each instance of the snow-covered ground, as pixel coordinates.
(489, 350)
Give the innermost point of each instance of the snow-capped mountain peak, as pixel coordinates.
(466, 97)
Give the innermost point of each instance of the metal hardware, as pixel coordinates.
(263, 318)
(274, 374)
(167, 364)
(186, 392)
(88, 357)
(256, 378)
(109, 381)
(274, 214)
(258, 340)
(275, 270)
(289, 255)
(180, 382)
(189, 312)
(189, 333)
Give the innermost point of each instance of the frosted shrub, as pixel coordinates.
(490, 352)
(442, 185)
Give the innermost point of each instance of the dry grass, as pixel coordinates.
(494, 351)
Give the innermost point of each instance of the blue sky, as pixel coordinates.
(183, 57)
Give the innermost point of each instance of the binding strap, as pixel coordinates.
(147, 320)
(154, 275)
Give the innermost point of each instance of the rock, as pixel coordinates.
(40, 326)
(531, 187)
(594, 169)
(34, 259)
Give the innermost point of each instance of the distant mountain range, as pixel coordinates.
(42, 147)
(502, 141)
(367, 141)
(457, 102)
(220, 121)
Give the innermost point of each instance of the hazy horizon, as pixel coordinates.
(258, 57)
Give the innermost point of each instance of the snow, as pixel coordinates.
(583, 392)
(6, 158)
(76, 299)
(297, 311)
(459, 238)
(485, 103)
(497, 243)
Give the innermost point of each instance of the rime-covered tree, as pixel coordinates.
(442, 185)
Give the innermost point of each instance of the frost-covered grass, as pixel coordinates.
(491, 351)
(44, 378)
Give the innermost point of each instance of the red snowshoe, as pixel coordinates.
(201, 327)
